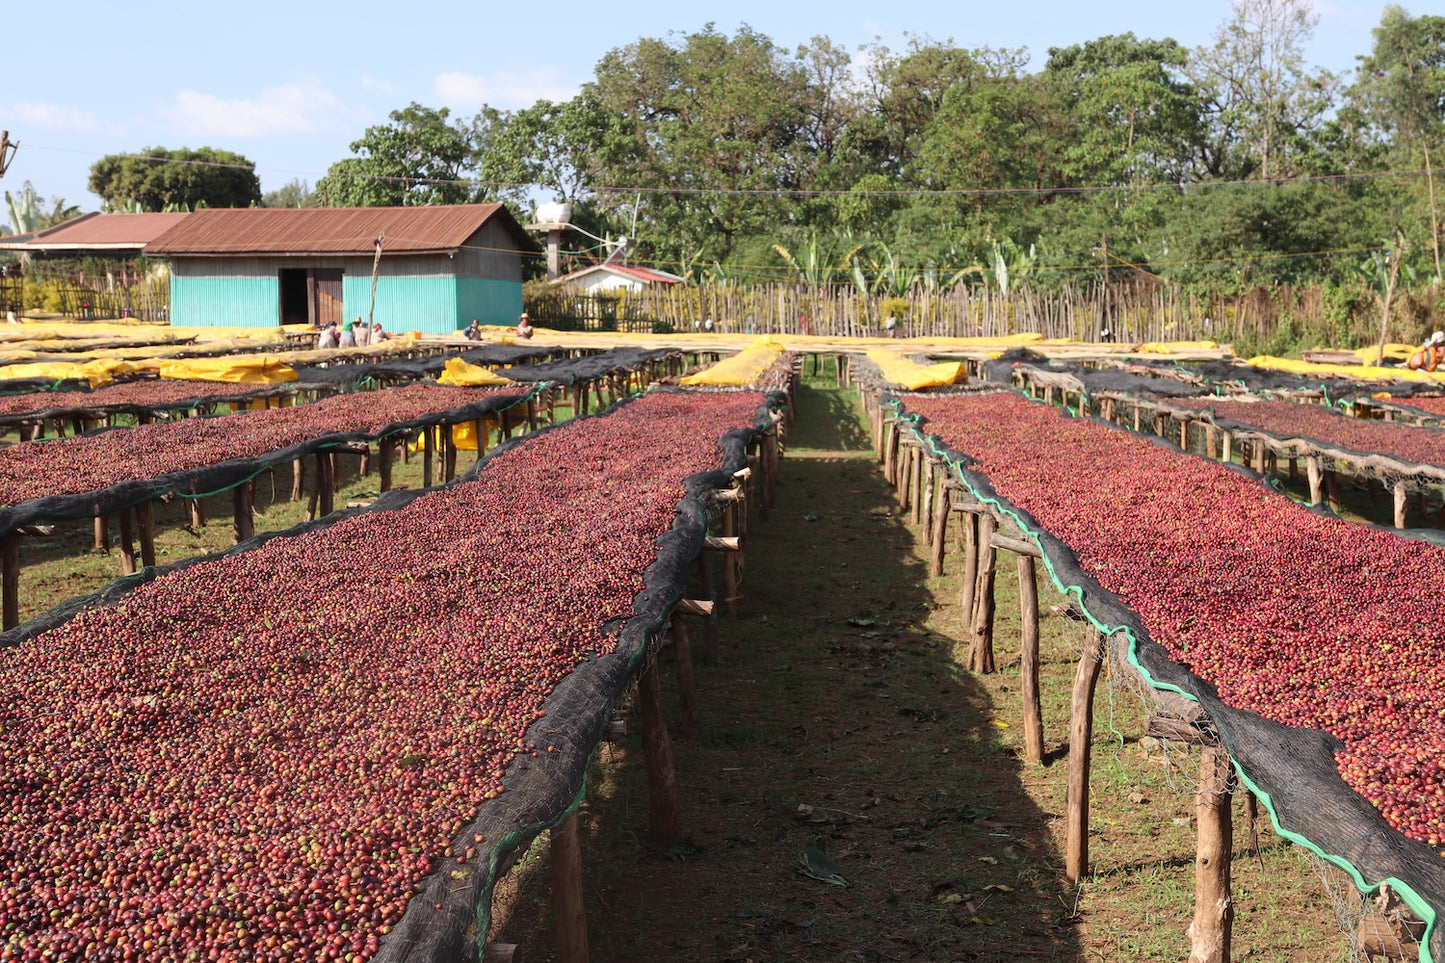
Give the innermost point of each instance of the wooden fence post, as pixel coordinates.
(1029, 660)
(686, 684)
(568, 913)
(10, 579)
(664, 817)
(983, 601)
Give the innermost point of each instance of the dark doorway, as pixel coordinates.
(311, 296)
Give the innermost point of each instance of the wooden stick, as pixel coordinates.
(102, 535)
(10, 579)
(1226, 453)
(126, 542)
(983, 600)
(664, 816)
(686, 684)
(568, 913)
(695, 607)
(197, 508)
(1016, 545)
(939, 524)
(1210, 932)
(502, 953)
(920, 468)
(1029, 660)
(1312, 469)
(426, 456)
(449, 453)
(145, 523)
(968, 533)
(1081, 734)
(1401, 498)
(242, 524)
(298, 474)
(729, 568)
(325, 482)
(385, 452)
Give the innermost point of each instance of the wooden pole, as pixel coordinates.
(920, 463)
(10, 578)
(449, 453)
(102, 534)
(145, 523)
(1312, 469)
(126, 541)
(1081, 734)
(729, 560)
(1029, 660)
(325, 483)
(686, 684)
(242, 524)
(1401, 499)
(426, 455)
(568, 913)
(939, 524)
(710, 649)
(298, 476)
(968, 532)
(1211, 930)
(983, 601)
(664, 816)
(197, 508)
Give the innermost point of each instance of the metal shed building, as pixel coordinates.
(433, 269)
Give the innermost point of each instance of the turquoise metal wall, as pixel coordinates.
(490, 302)
(241, 302)
(426, 304)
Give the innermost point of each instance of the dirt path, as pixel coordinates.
(840, 716)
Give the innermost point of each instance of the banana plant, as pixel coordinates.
(1010, 264)
(812, 267)
(24, 213)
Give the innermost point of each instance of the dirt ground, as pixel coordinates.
(841, 716)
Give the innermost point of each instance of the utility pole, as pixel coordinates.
(7, 150)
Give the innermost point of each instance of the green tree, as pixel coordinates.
(295, 193)
(158, 178)
(419, 158)
(1402, 86)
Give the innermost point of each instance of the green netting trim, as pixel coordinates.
(1075, 593)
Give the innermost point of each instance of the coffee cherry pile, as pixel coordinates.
(1285, 419)
(260, 756)
(68, 466)
(1308, 620)
(143, 394)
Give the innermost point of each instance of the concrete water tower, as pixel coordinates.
(554, 217)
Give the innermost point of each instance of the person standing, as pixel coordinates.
(348, 334)
(524, 326)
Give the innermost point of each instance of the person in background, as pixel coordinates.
(362, 333)
(329, 338)
(890, 325)
(473, 331)
(707, 325)
(348, 334)
(1430, 355)
(378, 335)
(524, 326)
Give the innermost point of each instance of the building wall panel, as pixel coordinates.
(490, 302)
(241, 302)
(426, 304)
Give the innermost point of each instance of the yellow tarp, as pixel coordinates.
(743, 368)
(1173, 347)
(458, 372)
(1393, 352)
(99, 372)
(898, 370)
(257, 369)
(464, 435)
(1364, 372)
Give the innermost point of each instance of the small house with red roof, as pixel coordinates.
(612, 278)
(428, 269)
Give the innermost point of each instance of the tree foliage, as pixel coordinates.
(158, 179)
(418, 158)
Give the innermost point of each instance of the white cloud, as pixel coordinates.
(276, 111)
(516, 89)
(60, 117)
(373, 83)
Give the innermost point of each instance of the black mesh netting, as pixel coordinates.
(211, 479)
(450, 914)
(1293, 771)
(43, 406)
(1096, 380)
(490, 356)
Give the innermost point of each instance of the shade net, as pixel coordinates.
(445, 886)
(1293, 770)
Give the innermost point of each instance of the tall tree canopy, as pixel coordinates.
(158, 179)
(418, 158)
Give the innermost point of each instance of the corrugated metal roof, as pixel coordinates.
(102, 231)
(333, 230)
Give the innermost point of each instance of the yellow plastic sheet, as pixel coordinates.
(743, 368)
(99, 372)
(257, 369)
(1363, 372)
(464, 435)
(908, 374)
(1173, 347)
(458, 372)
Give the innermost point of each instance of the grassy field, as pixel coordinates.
(841, 713)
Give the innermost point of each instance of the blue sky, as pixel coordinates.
(290, 85)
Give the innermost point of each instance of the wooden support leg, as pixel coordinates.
(479, 428)
(1210, 933)
(1029, 660)
(145, 523)
(983, 601)
(426, 456)
(1184, 435)
(197, 509)
(710, 650)
(729, 563)
(325, 483)
(1211, 441)
(920, 470)
(1332, 489)
(664, 816)
(449, 453)
(686, 684)
(385, 452)
(1402, 496)
(126, 541)
(298, 478)
(102, 535)
(1081, 734)
(968, 534)
(1227, 452)
(939, 524)
(569, 915)
(1312, 469)
(10, 579)
(243, 524)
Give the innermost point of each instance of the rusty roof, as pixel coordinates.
(95, 232)
(334, 230)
